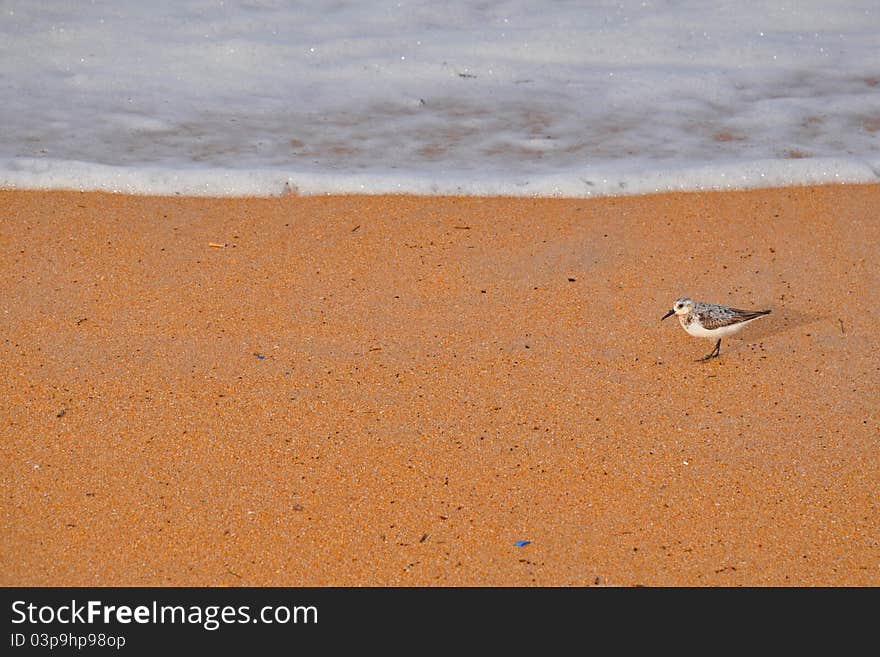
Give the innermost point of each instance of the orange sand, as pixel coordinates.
(433, 388)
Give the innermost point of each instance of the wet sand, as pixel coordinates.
(395, 390)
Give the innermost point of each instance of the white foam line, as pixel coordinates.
(46, 174)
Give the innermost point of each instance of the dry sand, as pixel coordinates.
(395, 390)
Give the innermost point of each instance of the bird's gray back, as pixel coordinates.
(714, 315)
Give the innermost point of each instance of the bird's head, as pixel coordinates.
(682, 306)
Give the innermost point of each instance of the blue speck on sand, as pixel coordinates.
(521, 543)
(260, 356)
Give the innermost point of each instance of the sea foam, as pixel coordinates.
(498, 98)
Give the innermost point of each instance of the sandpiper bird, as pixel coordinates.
(711, 320)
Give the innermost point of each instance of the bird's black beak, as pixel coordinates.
(671, 312)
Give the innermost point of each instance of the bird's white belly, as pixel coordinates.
(698, 331)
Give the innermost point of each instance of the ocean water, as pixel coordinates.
(507, 97)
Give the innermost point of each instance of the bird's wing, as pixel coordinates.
(715, 317)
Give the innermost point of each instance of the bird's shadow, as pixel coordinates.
(779, 321)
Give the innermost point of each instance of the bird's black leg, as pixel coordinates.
(712, 354)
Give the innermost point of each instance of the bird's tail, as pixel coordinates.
(752, 314)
